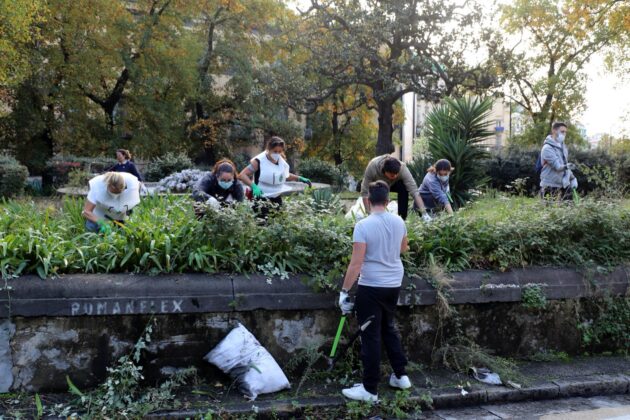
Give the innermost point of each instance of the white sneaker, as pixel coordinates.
(358, 392)
(403, 382)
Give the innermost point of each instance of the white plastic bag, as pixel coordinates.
(357, 211)
(251, 366)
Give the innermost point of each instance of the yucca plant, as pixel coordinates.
(456, 130)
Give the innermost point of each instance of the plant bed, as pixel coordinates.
(308, 237)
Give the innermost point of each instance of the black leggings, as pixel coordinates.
(380, 302)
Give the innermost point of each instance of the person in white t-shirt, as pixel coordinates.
(267, 173)
(111, 198)
(378, 240)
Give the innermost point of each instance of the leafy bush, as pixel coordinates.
(78, 178)
(13, 176)
(318, 170)
(162, 167)
(164, 236)
(455, 131)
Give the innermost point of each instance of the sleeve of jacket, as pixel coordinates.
(407, 179)
(370, 175)
(551, 158)
(201, 191)
(437, 192)
(238, 193)
(134, 171)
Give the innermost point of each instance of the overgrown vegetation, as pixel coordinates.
(121, 395)
(533, 296)
(611, 324)
(309, 237)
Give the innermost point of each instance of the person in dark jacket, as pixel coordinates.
(220, 186)
(435, 190)
(125, 164)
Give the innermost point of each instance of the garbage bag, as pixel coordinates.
(248, 363)
(357, 211)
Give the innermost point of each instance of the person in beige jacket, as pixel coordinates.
(398, 178)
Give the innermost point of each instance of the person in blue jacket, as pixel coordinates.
(125, 164)
(435, 190)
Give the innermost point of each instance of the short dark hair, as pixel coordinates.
(378, 192)
(391, 165)
(557, 125)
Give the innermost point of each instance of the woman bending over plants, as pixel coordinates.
(112, 197)
(435, 190)
(219, 187)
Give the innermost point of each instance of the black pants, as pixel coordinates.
(403, 198)
(380, 302)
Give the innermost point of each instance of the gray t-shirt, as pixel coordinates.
(383, 234)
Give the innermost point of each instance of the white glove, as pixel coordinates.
(426, 217)
(345, 304)
(571, 166)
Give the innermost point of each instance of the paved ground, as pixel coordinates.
(575, 389)
(615, 407)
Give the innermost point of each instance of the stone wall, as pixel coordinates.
(79, 325)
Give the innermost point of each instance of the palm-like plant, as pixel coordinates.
(456, 130)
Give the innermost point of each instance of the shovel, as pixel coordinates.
(334, 355)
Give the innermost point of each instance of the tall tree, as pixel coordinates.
(545, 67)
(391, 48)
(18, 29)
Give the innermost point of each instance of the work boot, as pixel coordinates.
(358, 392)
(403, 382)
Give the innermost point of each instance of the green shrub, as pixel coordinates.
(318, 170)
(456, 131)
(162, 167)
(13, 176)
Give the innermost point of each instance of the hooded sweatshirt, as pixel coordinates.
(554, 173)
(433, 191)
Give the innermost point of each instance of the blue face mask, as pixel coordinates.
(225, 184)
(443, 178)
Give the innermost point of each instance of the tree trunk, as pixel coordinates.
(336, 136)
(384, 143)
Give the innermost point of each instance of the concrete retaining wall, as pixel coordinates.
(78, 325)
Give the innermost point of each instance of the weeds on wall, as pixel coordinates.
(121, 395)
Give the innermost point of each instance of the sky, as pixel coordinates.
(607, 96)
(607, 101)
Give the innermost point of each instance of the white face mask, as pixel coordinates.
(561, 137)
(275, 156)
(443, 178)
(113, 195)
